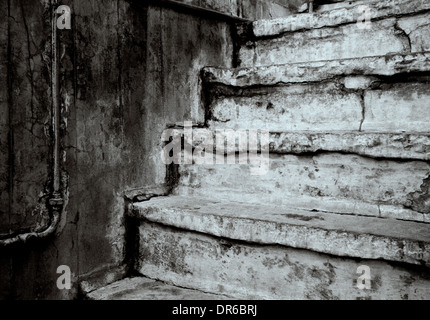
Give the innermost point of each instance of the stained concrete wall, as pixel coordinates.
(245, 9)
(126, 72)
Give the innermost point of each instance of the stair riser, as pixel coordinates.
(326, 182)
(402, 35)
(325, 106)
(249, 271)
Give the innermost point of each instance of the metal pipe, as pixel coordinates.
(55, 202)
(55, 102)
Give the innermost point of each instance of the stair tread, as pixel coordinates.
(141, 288)
(343, 235)
(301, 72)
(338, 16)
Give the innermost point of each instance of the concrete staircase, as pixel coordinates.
(348, 111)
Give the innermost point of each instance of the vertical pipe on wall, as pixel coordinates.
(55, 107)
(56, 200)
(55, 203)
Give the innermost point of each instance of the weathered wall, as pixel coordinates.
(126, 71)
(4, 128)
(25, 156)
(246, 9)
(23, 139)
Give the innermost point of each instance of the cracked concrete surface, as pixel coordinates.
(140, 288)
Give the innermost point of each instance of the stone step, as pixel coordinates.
(344, 135)
(323, 181)
(141, 288)
(226, 142)
(375, 94)
(395, 26)
(316, 71)
(270, 252)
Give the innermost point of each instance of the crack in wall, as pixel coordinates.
(403, 34)
(30, 64)
(119, 65)
(363, 111)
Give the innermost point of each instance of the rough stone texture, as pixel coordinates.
(324, 106)
(141, 288)
(346, 235)
(379, 145)
(342, 42)
(418, 31)
(408, 146)
(330, 182)
(295, 107)
(126, 71)
(173, 92)
(318, 106)
(330, 5)
(420, 200)
(268, 272)
(101, 277)
(388, 65)
(334, 34)
(401, 107)
(341, 204)
(25, 109)
(335, 17)
(261, 9)
(25, 157)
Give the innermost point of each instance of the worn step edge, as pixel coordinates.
(388, 65)
(340, 235)
(335, 17)
(306, 202)
(378, 145)
(141, 288)
(405, 146)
